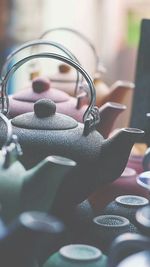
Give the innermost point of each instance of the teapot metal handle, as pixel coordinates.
(91, 116)
(11, 148)
(98, 64)
(36, 43)
(126, 245)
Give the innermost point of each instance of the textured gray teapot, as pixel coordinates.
(45, 132)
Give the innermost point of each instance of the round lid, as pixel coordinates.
(41, 88)
(132, 200)
(108, 221)
(80, 252)
(44, 117)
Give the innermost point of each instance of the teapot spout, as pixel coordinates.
(116, 150)
(119, 91)
(108, 114)
(43, 181)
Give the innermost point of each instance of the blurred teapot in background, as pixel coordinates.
(44, 131)
(64, 79)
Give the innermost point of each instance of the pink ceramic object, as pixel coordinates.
(125, 185)
(65, 79)
(136, 162)
(109, 112)
(40, 87)
(117, 92)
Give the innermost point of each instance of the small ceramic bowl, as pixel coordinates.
(77, 255)
(108, 227)
(126, 206)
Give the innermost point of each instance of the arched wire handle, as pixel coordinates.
(98, 65)
(11, 148)
(91, 115)
(36, 43)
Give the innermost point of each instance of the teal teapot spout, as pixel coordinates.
(35, 189)
(44, 132)
(41, 183)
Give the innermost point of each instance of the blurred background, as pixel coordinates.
(112, 26)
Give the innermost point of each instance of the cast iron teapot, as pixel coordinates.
(44, 131)
(64, 78)
(20, 242)
(34, 189)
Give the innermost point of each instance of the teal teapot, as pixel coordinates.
(35, 189)
(45, 132)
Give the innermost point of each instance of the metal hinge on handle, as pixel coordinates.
(92, 120)
(11, 150)
(4, 100)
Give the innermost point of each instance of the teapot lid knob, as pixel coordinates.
(64, 68)
(44, 108)
(40, 84)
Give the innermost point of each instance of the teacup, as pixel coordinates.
(126, 206)
(107, 227)
(77, 255)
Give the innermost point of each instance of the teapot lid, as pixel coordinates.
(44, 117)
(41, 88)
